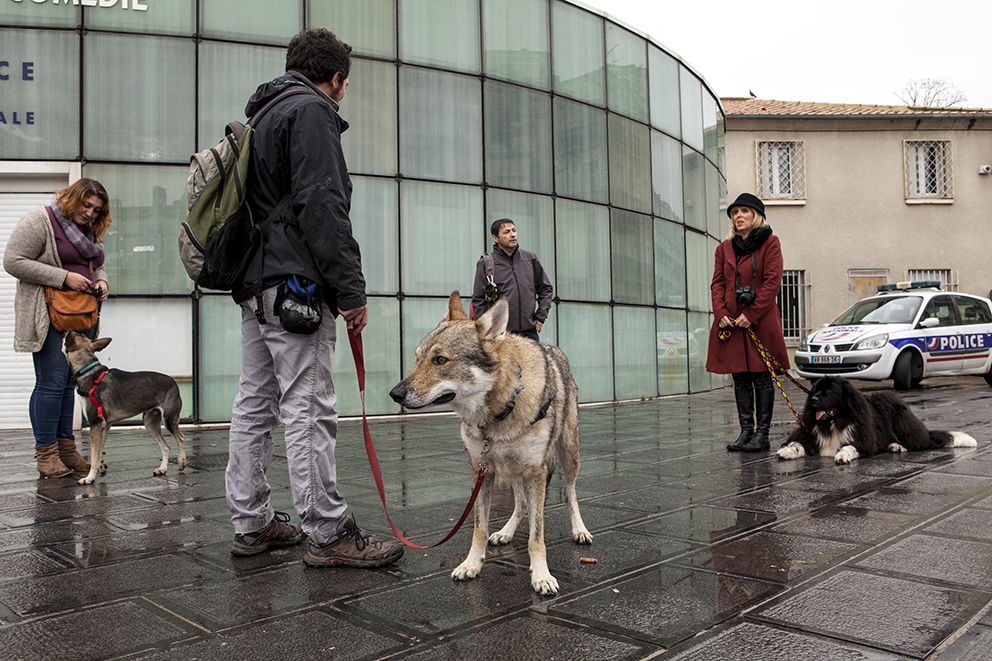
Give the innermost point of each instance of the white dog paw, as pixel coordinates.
(181, 462)
(86, 480)
(846, 455)
(544, 584)
(465, 571)
(159, 471)
(895, 447)
(499, 538)
(791, 451)
(582, 536)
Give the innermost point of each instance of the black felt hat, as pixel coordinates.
(747, 200)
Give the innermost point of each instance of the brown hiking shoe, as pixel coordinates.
(278, 533)
(351, 547)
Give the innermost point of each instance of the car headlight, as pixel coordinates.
(804, 345)
(874, 342)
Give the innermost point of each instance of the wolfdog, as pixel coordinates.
(519, 410)
(121, 395)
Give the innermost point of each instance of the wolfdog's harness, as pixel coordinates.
(541, 415)
(92, 392)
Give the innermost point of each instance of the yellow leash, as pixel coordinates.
(772, 364)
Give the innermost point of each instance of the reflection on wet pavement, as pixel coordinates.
(698, 553)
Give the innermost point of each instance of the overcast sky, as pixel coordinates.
(842, 51)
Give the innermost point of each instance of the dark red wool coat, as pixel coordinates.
(738, 354)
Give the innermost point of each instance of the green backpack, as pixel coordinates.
(219, 240)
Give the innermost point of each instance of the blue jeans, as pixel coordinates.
(285, 377)
(53, 398)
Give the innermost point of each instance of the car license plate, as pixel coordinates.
(827, 360)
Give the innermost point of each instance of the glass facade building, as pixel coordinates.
(605, 149)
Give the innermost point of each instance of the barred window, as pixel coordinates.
(929, 169)
(781, 170)
(793, 303)
(948, 279)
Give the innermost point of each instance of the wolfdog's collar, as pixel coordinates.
(516, 391)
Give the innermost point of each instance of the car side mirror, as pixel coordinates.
(930, 322)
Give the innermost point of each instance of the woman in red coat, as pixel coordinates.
(746, 282)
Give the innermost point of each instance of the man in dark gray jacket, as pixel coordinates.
(518, 276)
(300, 192)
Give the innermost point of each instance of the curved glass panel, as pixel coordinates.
(676, 350)
(699, 274)
(368, 26)
(666, 176)
(375, 225)
(220, 356)
(43, 16)
(583, 251)
(580, 151)
(577, 56)
(626, 72)
(39, 115)
(630, 164)
(440, 235)
(157, 125)
(440, 125)
(534, 218)
(239, 20)
(369, 106)
(636, 373)
(229, 75)
(380, 341)
(669, 264)
(699, 330)
(663, 75)
(518, 138)
(443, 33)
(147, 204)
(632, 252)
(516, 41)
(586, 343)
(692, 109)
(694, 188)
(176, 17)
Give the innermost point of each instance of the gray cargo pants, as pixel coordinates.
(285, 377)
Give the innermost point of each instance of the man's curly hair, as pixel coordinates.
(318, 54)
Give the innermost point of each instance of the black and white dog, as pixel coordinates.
(840, 422)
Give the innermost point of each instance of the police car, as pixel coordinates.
(909, 331)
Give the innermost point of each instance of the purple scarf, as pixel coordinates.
(86, 246)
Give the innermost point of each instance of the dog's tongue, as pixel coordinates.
(820, 414)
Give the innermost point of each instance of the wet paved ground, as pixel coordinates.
(702, 554)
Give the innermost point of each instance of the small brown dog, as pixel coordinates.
(121, 395)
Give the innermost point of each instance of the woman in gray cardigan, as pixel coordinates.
(61, 246)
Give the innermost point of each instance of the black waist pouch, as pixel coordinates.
(298, 304)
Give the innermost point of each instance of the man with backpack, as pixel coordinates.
(512, 272)
(310, 272)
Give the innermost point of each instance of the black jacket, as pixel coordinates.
(297, 149)
(522, 280)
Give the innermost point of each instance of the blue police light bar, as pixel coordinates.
(916, 284)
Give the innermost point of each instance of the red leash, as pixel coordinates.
(359, 355)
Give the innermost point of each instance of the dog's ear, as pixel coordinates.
(493, 323)
(71, 340)
(101, 344)
(455, 308)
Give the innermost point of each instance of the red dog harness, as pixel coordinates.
(92, 395)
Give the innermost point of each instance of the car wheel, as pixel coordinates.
(907, 372)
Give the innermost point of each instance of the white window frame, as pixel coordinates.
(928, 171)
(793, 306)
(781, 169)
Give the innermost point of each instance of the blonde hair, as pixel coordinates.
(759, 221)
(70, 198)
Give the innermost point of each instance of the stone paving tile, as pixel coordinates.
(748, 641)
(894, 614)
(664, 605)
(314, 634)
(848, 524)
(938, 558)
(770, 556)
(704, 524)
(103, 632)
(968, 523)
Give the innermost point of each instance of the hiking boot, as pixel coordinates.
(279, 532)
(351, 547)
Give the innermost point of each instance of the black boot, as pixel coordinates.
(764, 399)
(745, 414)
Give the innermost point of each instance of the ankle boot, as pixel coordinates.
(745, 415)
(49, 464)
(70, 457)
(764, 400)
